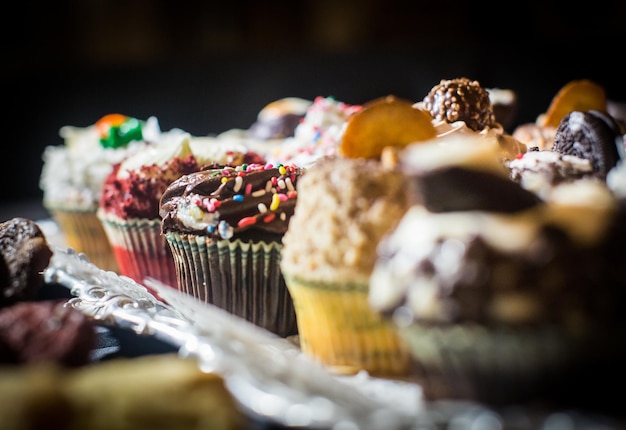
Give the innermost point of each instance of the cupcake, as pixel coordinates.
(296, 131)
(503, 297)
(129, 204)
(317, 135)
(345, 205)
(73, 175)
(224, 226)
(585, 145)
(275, 123)
(279, 119)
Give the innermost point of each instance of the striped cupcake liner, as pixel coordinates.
(83, 232)
(243, 278)
(140, 249)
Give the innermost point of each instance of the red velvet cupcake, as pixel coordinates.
(129, 206)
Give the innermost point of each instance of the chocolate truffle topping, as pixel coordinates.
(461, 100)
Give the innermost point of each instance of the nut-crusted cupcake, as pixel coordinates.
(505, 298)
(345, 205)
(224, 226)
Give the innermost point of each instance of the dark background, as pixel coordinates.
(208, 66)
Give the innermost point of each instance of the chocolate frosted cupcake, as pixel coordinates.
(506, 303)
(224, 226)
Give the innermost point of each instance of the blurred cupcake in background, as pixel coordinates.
(317, 135)
(73, 175)
(275, 123)
(225, 225)
(576, 95)
(463, 106)
(294, 130)
(503, 297)
(129, 204)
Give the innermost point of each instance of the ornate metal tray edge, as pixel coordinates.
(267, 375)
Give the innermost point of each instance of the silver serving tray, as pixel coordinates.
(269, 377)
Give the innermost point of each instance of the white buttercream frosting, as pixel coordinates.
(318, 135)
(73, 173)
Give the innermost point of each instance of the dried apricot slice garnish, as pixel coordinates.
(579, 95)
(386, 121)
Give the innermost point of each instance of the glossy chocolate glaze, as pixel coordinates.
(217, 197)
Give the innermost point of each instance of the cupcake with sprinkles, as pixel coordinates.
(224, 225)
(129, 204)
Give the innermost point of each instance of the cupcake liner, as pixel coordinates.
(243, 278)
(496, 366)
(140, 249)
(83, 232)
(338, 328)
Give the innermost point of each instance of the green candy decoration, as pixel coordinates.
(118, 130)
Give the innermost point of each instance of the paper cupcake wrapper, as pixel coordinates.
(83, 232)
(140, 249)
(496, 366)
(243, 278)
(339, 329)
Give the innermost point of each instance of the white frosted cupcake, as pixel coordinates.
(73, 175)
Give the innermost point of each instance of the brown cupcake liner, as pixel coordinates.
(83, 232)
(243, 278)
(140, 249)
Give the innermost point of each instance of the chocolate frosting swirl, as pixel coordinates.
(228, 201)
